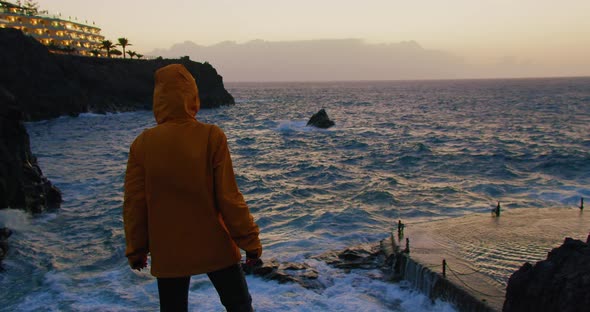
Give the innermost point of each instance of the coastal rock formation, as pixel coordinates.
(22, 184)
(288, 272)
(320, 120)
(4, 234)
(364, 256)
(46, 85)
(559, 283)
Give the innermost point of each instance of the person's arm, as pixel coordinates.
(135, 209)
(230, 201)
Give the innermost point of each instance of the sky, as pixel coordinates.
(548, 37)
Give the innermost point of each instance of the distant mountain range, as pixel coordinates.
(317, 60)
(355, 59)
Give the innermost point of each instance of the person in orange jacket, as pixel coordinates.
(182, 204)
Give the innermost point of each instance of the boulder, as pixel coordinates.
(559, 283)
(320, 120)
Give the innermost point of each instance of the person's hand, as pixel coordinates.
(139, 263)
(252, 262)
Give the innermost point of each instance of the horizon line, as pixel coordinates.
(408, 80)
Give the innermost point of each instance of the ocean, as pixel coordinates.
(409, 150)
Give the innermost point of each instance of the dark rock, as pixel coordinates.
(364, 256)
(4, 234)
(22, 184)
(46, 85)
(559, 283)
(288, 272)
(320, 120)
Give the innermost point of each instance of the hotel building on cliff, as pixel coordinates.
(51, 30)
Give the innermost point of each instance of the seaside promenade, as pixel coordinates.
(481, 251)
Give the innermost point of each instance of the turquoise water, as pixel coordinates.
(399, 150)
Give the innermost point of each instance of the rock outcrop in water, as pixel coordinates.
(288, 272)
(320, 120)
(22, 184)
(559, 283)
(4, 234)
(364, 256)
(46, 85)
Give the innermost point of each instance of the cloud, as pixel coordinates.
(321, 60)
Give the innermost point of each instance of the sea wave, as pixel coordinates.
(411, 151)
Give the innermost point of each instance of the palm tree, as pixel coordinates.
(108, 45)
(131, 54)
(32, 6)
(138, 55)
(123, 42)
(116, 52)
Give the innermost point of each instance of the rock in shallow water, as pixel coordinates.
(4, 234)
(287, 272)
(22, 184)
(365, 256)
(320, 120)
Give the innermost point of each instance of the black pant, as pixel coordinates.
(230, 284)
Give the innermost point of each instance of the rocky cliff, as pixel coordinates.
(46, 85)
(559, 283)
(22, 184)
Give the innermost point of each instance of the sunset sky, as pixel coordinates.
(547, 34)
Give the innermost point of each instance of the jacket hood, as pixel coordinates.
(176, 95)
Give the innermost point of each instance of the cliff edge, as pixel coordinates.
(46, 85)
(22, 184)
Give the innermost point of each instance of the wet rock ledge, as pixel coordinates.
(363, 256)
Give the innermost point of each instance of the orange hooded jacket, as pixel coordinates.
(182, 203)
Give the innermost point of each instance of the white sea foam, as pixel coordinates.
(297, 126)
(14, 219)
(289, 125)
(95, 115)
